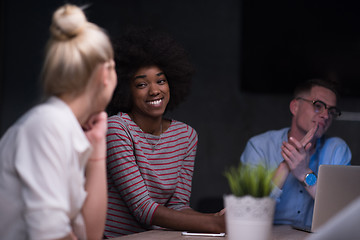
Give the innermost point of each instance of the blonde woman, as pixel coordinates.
(52, 168)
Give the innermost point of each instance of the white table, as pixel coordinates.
(279, 232)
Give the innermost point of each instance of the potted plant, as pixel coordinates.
(249, 209)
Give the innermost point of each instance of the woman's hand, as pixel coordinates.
(94, 209)
(95, 130)
(189, 220)
(221, 213)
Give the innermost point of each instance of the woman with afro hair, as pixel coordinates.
(150, 159)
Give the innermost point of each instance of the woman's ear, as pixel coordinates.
(294, 106)
(105, 73)
(108, 73)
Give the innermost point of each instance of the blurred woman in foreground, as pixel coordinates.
(52, 168)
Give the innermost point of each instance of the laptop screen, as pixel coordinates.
(337, 186)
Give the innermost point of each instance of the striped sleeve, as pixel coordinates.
(181, 196)
(124, 172)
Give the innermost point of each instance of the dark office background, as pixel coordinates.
(248, 56)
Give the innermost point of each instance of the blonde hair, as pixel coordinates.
(73, 51)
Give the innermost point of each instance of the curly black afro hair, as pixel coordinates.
(142, 47)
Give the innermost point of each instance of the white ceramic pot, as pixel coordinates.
(249, 218)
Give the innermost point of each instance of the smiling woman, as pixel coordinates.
(150, 93)
(150, 158)
(143, 48)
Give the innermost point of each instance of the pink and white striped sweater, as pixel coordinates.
(140, 178)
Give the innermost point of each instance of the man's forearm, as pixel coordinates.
(280, 175)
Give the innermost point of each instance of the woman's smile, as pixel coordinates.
(155, 103)
(150, 92)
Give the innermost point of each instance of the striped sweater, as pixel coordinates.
(145, 171)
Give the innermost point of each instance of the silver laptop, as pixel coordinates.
(337, 187)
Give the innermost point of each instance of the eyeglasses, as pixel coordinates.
(320, 106)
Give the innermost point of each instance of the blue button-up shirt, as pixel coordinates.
(295, 205)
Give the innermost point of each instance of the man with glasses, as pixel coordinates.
(297, 152)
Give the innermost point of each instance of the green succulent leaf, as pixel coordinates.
(247, 179)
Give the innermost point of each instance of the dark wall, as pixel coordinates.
(224, 116)
(297, 40)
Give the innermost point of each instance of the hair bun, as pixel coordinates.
(68, 21)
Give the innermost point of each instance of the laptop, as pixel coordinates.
(337, 187)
